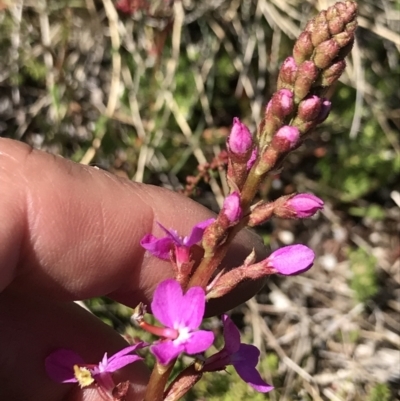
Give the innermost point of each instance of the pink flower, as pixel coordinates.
(240, 140)
(66, 366)
(243, 357)
(161, 247)
(181, 314)
(292, 259)
(304, 205)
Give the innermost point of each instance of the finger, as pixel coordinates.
(72, 232)
(32, 327)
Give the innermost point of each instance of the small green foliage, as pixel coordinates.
(380, 392)
(364, 281)
(224, 386)
(372, 211)
(270, 363)
(35, 69)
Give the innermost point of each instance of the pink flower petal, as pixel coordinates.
(292, 259)
(231, 207)
(173, 234)
(168, 302)
(121, 362)
(191, 312)
(305, 205)
(159, 247)
(197, 232)
(166, 351)
(199, 342)
(175, 310)
(59, 365)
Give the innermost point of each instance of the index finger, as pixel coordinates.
(72, 232)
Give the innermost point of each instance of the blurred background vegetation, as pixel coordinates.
(149, 93)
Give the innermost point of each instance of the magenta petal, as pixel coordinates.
(173, 234)
(245, 362)
(175, 310)
(248, 354)
(250, 375)
(305, 205)
(231, 207)
(199, 341)
(197, 232)
(59, 365)
(292, 259)
(129, 349)
(166, 351)
(159, 247)
(168, 304)
(122, 361)
(191, 312)
(231, 335)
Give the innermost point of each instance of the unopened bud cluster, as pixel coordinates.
(317, 63)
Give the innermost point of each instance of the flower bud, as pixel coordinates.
(333, 73)
(287, 73)
(344, 38)
(320, 30)
(292, 259)
(286, 138)
(281, 104)
(231, 207)
(325, 110)
(347, 11)
(240, 140)
(306, 75)
(303, 48)
(325, 53)
(310, 108)
(305, 205)
(261, 213)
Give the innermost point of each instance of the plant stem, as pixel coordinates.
(211, 261)
(158, 380)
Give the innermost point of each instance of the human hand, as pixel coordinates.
(70, 232)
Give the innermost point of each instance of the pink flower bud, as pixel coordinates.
(324, 112)
(303, 48)
(252, 159)
(240, 140)
(292, 259)
(310, 108)
(304, 205)
(289, 135)
(281, 103)
(287, 73)
(231, 207)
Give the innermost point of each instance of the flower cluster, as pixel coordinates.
(179, 303)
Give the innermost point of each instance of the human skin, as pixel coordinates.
(70, 232)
